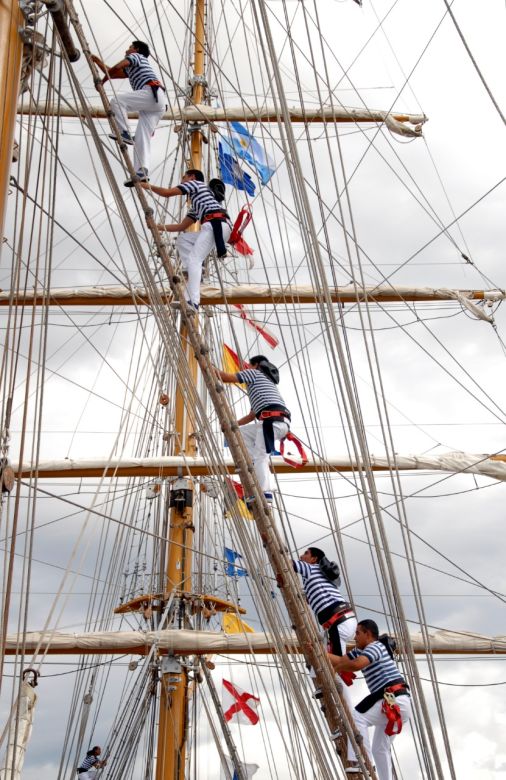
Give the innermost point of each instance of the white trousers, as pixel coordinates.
(381, 743)
(89, 775)
(193, 249)
(347, 634)
(150, 113)
(253, 436)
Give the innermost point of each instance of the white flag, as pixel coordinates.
(239, 705)
(248, 769)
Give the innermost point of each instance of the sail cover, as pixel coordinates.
(187, 642)
(20, 736)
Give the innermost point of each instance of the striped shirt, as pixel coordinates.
(261, 391)
(89, 761)
(320, 592)
(382, 670)
(201, 198)
(139, 72)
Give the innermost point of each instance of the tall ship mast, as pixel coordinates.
(150, 602)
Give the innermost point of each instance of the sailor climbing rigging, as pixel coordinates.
(144, 98)
(321, 586)
(90, 764)
(333, 613)
(268, 410)
(215, 229)
(388, 706)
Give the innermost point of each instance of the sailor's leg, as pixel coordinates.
(150, 113)
(120, 105)
(253, 436)
(203, 244)
(382, 744)
(346, 632)
(261, 461)
(249, 434)
(184, 244)
(362, 725)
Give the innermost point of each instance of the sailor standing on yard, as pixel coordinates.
(272, 418)
(388, 706)
(321, 581)
(215, 228)
(90, 764)
(147, 97)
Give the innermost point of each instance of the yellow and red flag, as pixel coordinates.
(236, 495)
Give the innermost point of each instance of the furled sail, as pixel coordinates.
(20, 728)
(185, 642)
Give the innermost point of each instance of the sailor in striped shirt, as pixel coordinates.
(272, 418)
(205, 208)
(146, 97)
(329, 606)
(90, 764)
(381, 673)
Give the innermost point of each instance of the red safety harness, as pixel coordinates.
(339, 617)
(300, 449)
(236, 240)
(392, 710)
(215, 215)
(277, 414)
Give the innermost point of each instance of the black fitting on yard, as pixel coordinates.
(57, 10)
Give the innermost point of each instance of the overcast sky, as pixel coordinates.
(443, 371)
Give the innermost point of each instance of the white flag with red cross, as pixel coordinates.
(238, 705)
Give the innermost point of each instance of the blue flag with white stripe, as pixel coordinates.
(247, 148)
(232, 173)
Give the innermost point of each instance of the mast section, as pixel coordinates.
(11, 49)
(173, 713)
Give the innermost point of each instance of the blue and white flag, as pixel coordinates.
(247, 148)
(231, 569)
(232, 173)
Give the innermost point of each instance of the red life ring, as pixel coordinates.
(303, 457)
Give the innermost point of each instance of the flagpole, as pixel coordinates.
(227, 734)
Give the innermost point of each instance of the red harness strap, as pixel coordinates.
(392, 710)
(347, 677)
(266, 415)
(303, 457)
(214, 215)
(330, 622)
(236, 240)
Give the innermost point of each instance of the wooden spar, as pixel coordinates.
(402, 124)
(186, 642)
(493, 466)
(247, 294)
(11, 50)
(57, 10)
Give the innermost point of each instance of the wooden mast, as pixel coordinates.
(11, 50)
(173, 714)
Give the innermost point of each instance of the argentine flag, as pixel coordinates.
(247, 148)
